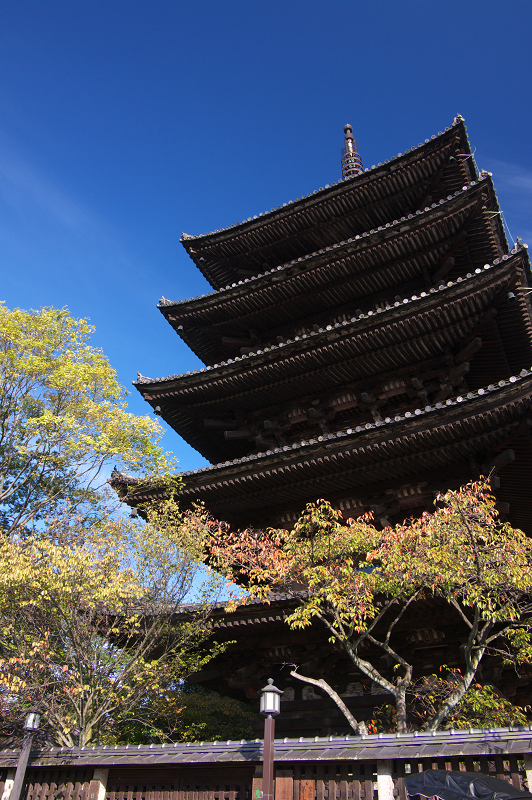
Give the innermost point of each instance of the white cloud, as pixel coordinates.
(24, 189)
(513, 184)
(513, 178)
(45, 230)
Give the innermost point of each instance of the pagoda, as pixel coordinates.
(370, 344)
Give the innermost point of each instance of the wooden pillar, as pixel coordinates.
(528, 770)
(98, 785)
(8, 785)
(384, 780)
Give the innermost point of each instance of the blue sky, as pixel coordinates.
(126, 122)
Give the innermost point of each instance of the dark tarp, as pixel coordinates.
(461, 786)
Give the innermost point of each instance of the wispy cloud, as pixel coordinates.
(26, 191)
(50, 235)
(512, 177)
(514, 190)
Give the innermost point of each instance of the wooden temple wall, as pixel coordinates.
(311, 780)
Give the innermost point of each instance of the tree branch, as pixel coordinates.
(358, 727)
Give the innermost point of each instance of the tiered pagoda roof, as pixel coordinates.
(404, 184)
(391, 465)
(415, 251)
(383, 355)
(370, 343)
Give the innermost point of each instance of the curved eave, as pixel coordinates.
(373, 197)
(501, 269)
(357, 350)
(351, 272)
(434, 439)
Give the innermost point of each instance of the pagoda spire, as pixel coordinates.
(351, 161)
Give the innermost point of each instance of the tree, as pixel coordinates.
(360, 583)
(482, 706)
(63, 423)
(92, 628)
(187, 713)
(89, 600)
(207, 716)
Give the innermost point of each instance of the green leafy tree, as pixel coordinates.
(89, 601)
(360, 583)
(482, 706)
(187, 713)
(207, 716)
(63, 424)
(92, 628)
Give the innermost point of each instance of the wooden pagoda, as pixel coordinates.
(371, 344)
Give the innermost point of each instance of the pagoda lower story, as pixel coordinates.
(262, 646)
(370, 344)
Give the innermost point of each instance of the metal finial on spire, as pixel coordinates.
(351, 161)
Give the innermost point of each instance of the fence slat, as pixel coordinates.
(306, 789)
(343, 781)
(368, 786)
(284, 786)
(499, 766)
(515, 773)
(331, 788)
(320, 782)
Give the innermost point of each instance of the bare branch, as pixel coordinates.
(358, 727)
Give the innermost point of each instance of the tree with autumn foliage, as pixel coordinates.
(360, 582)
(93, 629)
(88, 597)
(482, 706)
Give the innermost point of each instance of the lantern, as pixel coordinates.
(270, 700)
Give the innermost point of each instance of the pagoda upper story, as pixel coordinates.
(360, 274)
(403, 185)
(366, 305)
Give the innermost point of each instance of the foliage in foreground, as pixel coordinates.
(88, 599)
(90, 628)
(63, 424)
(187, 713)
(481, 707)
(362, 583)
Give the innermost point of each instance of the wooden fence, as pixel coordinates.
(358, 781)
(53, 784)
(206, 782)
(372, 768)
(316, 781)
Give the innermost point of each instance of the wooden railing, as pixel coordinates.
(342, 768)
(54, 784)
(200, 791)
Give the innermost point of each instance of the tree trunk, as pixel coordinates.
(455, 697)
(400, 708)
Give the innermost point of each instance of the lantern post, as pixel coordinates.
(270, 705)
(31, 724)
